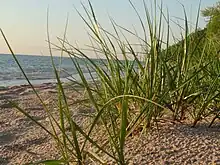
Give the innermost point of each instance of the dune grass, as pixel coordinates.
(131, 93)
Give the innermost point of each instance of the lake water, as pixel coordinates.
(37, 68)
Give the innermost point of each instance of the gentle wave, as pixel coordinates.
(37, 68)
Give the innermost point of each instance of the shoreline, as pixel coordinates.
(22, 141)
(23, 82)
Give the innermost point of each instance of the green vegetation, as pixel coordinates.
(182, 81)
(213, 14)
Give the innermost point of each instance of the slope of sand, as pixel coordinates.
(21, 141)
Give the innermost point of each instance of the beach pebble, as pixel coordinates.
(18, 90)
(13, 87)
(26, 91)
(50, 90)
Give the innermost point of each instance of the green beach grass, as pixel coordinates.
(134, 93)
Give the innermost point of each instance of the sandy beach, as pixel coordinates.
(22, 141)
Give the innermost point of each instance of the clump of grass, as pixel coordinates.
(130, 93)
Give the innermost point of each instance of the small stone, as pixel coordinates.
(50, 90)
(18, 90)
(13, 87)
(27, 91)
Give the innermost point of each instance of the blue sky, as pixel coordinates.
(24, 21)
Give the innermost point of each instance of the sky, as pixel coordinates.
(24, 22)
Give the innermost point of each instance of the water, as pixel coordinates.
(37, 68)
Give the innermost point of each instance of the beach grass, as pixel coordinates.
(132, 91)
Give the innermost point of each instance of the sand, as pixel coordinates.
(22, 141)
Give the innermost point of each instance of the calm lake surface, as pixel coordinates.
(37, 68)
